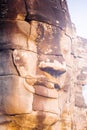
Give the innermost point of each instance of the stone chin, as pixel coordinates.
(34, 120)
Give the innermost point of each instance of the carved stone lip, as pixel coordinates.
(42, 87)
(43, 81)
(41, 90)
(46, 92)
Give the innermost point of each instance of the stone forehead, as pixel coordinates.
(48, 11)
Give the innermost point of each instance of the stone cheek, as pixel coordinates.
(6, 63)
(26, 62)
(13, 34)
(14, 98)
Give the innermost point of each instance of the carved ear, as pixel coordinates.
(25, 62)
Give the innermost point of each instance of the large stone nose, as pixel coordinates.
(50, 56)
(55, 65)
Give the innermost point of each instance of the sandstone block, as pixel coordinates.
(14, 97)
(13, 34)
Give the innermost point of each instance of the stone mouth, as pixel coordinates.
(39, 86)
(42, 87)
(45, 92)
(43, 81)
(42, 91)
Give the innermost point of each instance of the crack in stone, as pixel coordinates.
(15, 66)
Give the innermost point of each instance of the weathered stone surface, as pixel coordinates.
(12, 10)
(43, 67)
(6, 63)
(79, 52)
(46, 11)
(45, 104)
(41, 90)
(37, 120)
(14, 97)
(13, 34)
(26, 62)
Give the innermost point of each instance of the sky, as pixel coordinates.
(78, 13)
(84, 93)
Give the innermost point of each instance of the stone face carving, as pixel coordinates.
(36, 65)
(31, 62)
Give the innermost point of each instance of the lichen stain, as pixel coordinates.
(66, 123)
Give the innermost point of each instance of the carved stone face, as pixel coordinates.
(32, 72)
